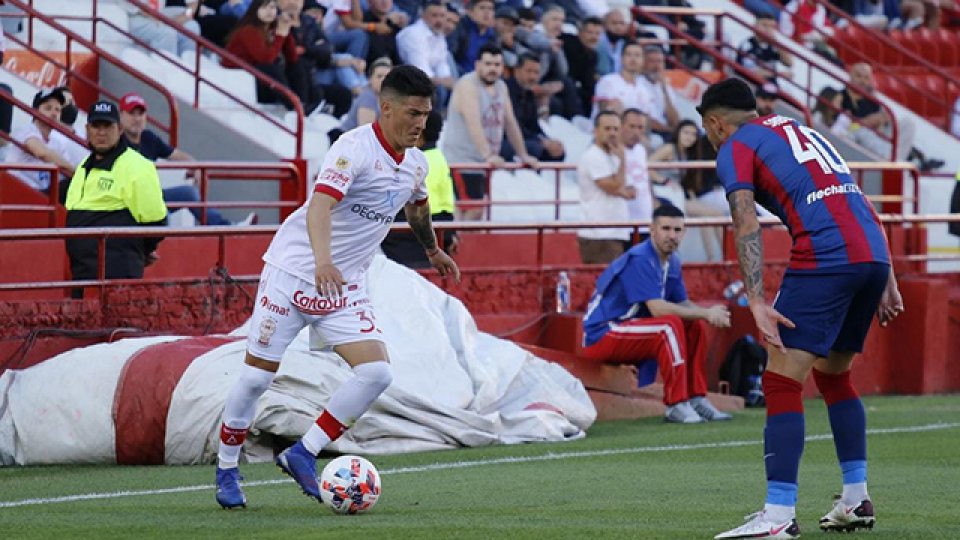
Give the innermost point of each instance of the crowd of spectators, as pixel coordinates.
(501, 69)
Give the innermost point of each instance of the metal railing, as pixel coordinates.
(718, 50)
(53, 196)
(917, 61)
(199, 79)
(222, 234)
(32, 15)
(204, 172)
(858, 169)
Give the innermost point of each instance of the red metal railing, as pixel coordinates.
(719, 51)
(204, 172)
(223, 233)
(32, 15)
(53, 196)
(198, 78)
(858, 169)
(886, 43)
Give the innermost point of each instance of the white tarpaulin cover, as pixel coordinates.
(453, 386)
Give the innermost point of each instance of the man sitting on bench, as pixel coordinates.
(639, 310)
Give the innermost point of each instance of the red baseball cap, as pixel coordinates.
(131, 101)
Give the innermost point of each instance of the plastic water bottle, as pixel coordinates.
(563, 293)
(735, 293)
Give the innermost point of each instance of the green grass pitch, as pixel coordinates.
(627, 479)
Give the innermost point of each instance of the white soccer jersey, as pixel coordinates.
(372, 182)
(632, 95)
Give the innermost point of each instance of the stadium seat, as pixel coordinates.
(948, 47)
(937, 105)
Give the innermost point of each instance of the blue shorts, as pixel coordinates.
(832, 308)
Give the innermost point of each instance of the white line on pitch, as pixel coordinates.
(475, 463)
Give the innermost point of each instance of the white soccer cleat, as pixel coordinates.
(845, 518)
(707, 410)
(760, 526)
(682, 413)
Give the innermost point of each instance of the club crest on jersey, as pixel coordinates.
(419, 173)
(378, 166)
(342, 163)
(268, 326)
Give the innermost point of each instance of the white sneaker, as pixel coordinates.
(707, 411)
(682, 413)
(849, 518)
(251, 219)
(759, 526)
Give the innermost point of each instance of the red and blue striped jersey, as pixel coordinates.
(799, 176)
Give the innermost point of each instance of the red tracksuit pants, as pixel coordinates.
(677, 345)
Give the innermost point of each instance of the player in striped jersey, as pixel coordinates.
(839, 277)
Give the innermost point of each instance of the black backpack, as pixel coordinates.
(743, 368)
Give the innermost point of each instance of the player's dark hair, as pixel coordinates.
(405, 81)
(601, 114)
(667, 210)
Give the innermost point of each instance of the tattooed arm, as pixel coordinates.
(422, 226)
(418, 216)
(746, 231)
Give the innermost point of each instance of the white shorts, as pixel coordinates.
(286, 303)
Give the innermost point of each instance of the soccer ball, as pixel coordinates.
(350, 485)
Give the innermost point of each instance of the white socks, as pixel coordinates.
(779, 512)
(348, 403)
(853, 494)
(238, 412)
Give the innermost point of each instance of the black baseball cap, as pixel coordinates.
(729, 93)
(103, 111)
(47, 94)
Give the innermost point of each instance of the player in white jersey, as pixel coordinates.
(315, 275)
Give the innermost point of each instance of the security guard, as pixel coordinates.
(114, 186)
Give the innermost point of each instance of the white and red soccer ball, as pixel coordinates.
(350, 485)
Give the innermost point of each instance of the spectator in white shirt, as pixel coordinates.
(73, 151)
(620, 91)
(603, 191)
(38, 146)
(633, 124)
(663, 114)
(423, 44)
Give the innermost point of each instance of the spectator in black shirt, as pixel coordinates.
(581, 53)
(524, 103)
(760, 54)
(133, 122)
(318, 55)
(866, 111)
(383, 41)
